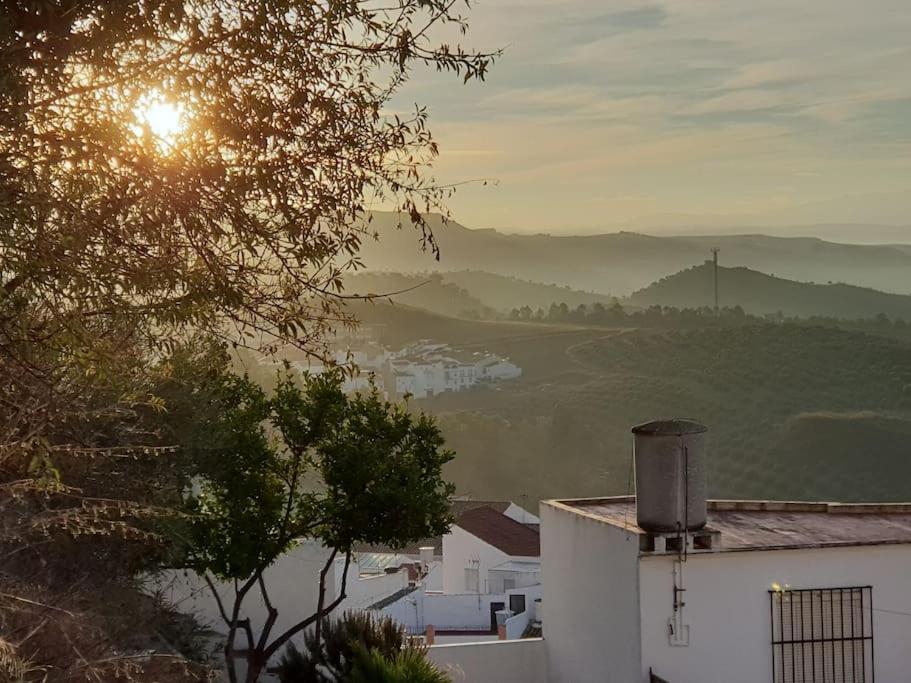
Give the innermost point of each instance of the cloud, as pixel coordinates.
(704, 106)
(738, 101)
(650, 16)
(774, 73)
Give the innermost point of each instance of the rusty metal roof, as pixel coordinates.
(771, 525)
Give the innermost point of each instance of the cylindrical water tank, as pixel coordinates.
(670, 475)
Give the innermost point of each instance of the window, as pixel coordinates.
(822, 635)
(517, 603)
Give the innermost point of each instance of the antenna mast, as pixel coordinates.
(715, 251)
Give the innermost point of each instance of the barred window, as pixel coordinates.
(822, 635)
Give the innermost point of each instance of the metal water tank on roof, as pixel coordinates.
(670, 475)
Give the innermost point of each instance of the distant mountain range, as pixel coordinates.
(429, 292)
(621, 263)
(760, 294)
(467, 292)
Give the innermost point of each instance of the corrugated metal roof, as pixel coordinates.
(771, 525)
(378, 562)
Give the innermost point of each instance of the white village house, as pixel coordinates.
(293, 580)
(379, 579)
(423, 369)
(491, 578)
(671, 587)
(665, 586)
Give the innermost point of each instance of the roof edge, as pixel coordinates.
(753, 505)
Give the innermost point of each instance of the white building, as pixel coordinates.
(292, 583)
(778, 592)
(491, 576)
(486, 551)
(494, 368)
(669, 587)
(769, 593)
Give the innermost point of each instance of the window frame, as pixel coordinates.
(785, 642)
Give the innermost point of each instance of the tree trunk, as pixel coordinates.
(255, 666)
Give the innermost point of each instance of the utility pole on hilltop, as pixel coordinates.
(715, 251)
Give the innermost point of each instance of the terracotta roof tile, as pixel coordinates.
(502, 532)
(458, 506)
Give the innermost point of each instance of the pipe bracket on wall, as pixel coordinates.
(678, 631)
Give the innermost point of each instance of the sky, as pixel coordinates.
(613, 114)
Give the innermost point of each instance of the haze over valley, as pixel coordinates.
(804, 366)
(621, 263)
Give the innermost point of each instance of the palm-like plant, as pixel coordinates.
(358, 647)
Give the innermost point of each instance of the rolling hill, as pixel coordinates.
(760, 294)
(423, 291)
(621, 263)
(793, 411)
(467, 292)
(505, 293)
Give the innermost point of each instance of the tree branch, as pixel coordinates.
(300, 626)
(270, 620)
(218, 601)
(322, 594)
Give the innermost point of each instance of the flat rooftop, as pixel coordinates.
(770, 525)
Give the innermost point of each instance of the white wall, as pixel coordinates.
(466, 611)
(361, 592)
(459, 548)
(516, 624)
(591, 611)
(292, 582)
(433, 581)
(520, 514)
(496, 579)
(727, 608)
(293, 586)
(503, 661)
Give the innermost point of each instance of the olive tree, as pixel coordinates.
(186, 163)
(170, 168)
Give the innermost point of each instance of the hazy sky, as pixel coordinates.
(613, 113)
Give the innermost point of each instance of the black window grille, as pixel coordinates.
(822, 635)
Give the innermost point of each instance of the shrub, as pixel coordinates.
(356, 637)
(405, 666)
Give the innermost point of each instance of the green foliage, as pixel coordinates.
(308, 461)
(407, 666)
(118, 245)
(305, 461)
(251, 212)
(332, 657)
(761, 294)
(752, 384)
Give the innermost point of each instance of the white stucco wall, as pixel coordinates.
(293, 586)
(459, 548)
(361, 592)
(462, 611)
(520, 514)
(434, 579)
(727, 608)
(292, 582)
(591, 611)
(503, 661)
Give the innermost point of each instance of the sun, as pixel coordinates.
(164, 119)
